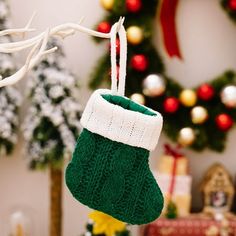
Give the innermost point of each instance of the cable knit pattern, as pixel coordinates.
(114, 177)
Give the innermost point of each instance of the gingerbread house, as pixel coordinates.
(218, 190)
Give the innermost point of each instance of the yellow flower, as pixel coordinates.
(105, 224)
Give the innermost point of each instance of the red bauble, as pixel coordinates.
(232, 5)
(205, 92)
(171, 105)
(117, 46)
(133, 5)
(139, 62)
(224, 122)
(104, 27)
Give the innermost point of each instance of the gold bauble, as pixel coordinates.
(199, 115)
(186, 136)
(107, 4)
(188, 97)
(138, 98)
(134, 35)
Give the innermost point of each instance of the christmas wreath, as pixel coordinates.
(198, 118)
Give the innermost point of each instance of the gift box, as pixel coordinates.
(173, 160)
(194, 225)
(166, 163)
(181, 194)
(174, 181)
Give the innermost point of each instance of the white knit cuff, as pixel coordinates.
(119, 124)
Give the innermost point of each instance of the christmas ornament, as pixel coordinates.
(205, 92)
(232, 5)
(133, 5)
(139, 98)
(117, 72)
(154, 85)
(228, 96)
(109, 170)
(230, 8)
(117, 46)
(107, 4)
(188, 98)
(199, 115)
(139, 62)
(186, 136)
(171, 105)
(134, 35)
(224, 122)
(105, 224)
(104, 27)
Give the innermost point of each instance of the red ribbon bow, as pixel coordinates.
(167, 19)
(176, 154)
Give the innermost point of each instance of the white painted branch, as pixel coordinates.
(63, 31)
(21, 31)
(31, 61)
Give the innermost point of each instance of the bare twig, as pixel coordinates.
(34, 57)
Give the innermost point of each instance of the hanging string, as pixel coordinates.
(39, 49)
(120, 80)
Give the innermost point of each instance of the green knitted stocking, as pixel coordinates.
(114, 177)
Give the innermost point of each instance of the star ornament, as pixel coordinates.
(105, 224)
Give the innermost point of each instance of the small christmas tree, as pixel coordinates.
(52, 124)
(171, 211)
(100, 224)
(9, 96)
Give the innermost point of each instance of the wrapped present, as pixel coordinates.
(181, 194)
(182, 186)
(175, 183)
(193, 225)
(166, 162)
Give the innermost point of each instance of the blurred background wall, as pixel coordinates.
(207, 40)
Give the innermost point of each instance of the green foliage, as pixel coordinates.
(207, 134)
(145, 21)
(5, 144)
(101, 71)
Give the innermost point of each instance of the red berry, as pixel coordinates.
(205, 92)
(139, 62)
(171, 105)
(133, 5)
(224, 122)
(104, 27)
